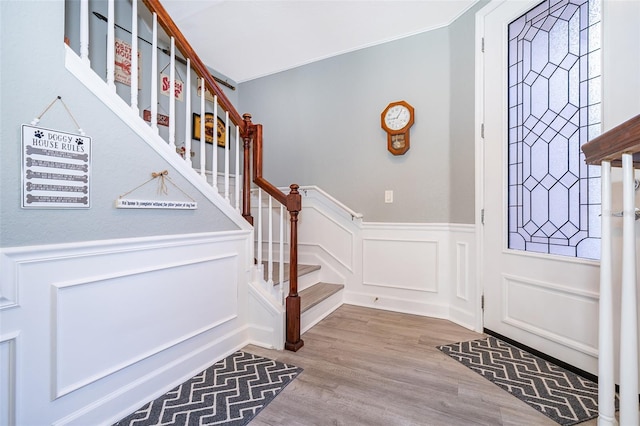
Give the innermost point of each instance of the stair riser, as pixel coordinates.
(305, 281)
(315, 314)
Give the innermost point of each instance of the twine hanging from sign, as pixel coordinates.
(162, 185)
(35, 121)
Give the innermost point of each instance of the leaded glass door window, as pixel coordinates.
(554, 98)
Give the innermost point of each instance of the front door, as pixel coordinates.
(540, 206)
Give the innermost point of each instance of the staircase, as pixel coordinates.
(317, 298)
(241, 177)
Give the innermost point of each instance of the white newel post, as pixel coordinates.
(628, 308)
(606, 362)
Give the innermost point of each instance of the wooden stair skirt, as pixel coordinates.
(317, 299)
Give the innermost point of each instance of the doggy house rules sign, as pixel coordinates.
(56, 169)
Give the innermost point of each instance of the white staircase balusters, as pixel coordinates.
(202, 135)
(214, 151)
(175, 117)
(628, 309)
(154, 74)
(259, 234)
(237, 180)
(134, 56)
(187, 116)
(172, 95)
(270, 243)
(84, 31)
(281, 255)
(226, 155)
(111, 39)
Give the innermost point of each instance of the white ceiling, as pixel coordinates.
(247, 39)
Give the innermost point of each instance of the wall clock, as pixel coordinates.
(396, 120)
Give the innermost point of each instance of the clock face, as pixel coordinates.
(397, 117)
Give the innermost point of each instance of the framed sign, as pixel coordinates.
(208, 129)
(56, 169)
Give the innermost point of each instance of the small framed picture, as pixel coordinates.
(208, 129)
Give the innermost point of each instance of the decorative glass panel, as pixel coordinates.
(554, 108)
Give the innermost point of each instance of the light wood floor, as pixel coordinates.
(370, 367)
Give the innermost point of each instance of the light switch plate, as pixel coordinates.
(388, 196)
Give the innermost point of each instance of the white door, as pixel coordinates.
(546, 301)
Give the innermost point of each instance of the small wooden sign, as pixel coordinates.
(156, 204)
(163, 120)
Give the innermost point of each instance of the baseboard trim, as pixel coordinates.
(566, 366)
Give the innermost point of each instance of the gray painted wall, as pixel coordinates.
(322, 126)
(32, 75)
(462, 118)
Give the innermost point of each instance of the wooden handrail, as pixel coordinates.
(199, 67)
(609, 146)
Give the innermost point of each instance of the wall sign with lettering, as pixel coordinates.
(56, 169)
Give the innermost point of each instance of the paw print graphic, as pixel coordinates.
(79, 141)
(38, 134)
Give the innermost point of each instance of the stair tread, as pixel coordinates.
(310, 297)
(302, 270)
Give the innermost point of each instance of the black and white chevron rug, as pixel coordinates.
(230, 392)
(561, 395)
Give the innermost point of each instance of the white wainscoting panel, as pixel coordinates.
(419, 268)
(8, 284)
(8, 370)
(127, 317)
(462, 270)
(103, 326)
(464, 308)
(316, 228)
(564, 312)
(401, 264)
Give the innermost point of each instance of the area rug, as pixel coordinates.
(561, 395)
(230, 392)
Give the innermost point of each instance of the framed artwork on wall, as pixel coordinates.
(208, 129)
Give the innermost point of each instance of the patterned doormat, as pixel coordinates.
(561, 395)
(230, 392)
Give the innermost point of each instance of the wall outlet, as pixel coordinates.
(388, 196)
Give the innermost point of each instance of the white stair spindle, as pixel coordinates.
(84, 30)
(606, 380)
(281, 254)
(134, 56)
(187, 116)
(172, 95)
(236, 179)
(111, 40)
(270, 243)
(226, 156)
(214, 150)
(628, 309)
(202, 135)
(154, 74)
(259, 230)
